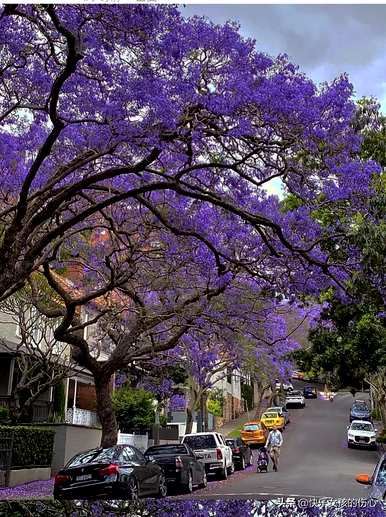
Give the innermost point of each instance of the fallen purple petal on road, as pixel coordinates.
(34, 489)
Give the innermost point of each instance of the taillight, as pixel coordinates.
(219, 454)
(109, 471)
(179, 463)
(237, 450)
(60, 479)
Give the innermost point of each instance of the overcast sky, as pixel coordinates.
(324, 40)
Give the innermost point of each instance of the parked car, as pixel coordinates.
(254, 433)
(241, 453)
(180, 465)
(295, 398)
(212, 451)
(310, 392)
(376, 482)
(283, 411)
(361, 434)
(273, 419)
(360, 411)
(118, 472)
(287, 386)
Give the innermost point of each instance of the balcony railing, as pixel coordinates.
(82, 417)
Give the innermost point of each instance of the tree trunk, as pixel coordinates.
(189, 420)
(105, 410)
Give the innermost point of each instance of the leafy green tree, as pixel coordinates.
(133, 408)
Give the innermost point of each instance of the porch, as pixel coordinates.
(80, 405)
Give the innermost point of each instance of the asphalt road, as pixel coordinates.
(315, 460)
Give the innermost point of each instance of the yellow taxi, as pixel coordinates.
(273, 419)
(254, 433)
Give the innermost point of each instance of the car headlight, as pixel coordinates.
(350, 435)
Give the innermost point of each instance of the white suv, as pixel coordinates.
(211, 450)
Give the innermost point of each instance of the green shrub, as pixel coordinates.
(382, 437)
(4, 414)
(133, 408)
(215, 402)
(214, 407)
(247, 395)
(32, 445)
(59, 401)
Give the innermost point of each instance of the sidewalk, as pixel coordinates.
(243, 419)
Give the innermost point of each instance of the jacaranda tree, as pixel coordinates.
(138, 145)
(101, 104)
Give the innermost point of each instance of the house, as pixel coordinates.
(80, 397)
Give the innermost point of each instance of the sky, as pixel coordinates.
(324, 40)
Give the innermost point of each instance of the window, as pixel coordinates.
(200, 441)
(170, 449)
(220, 439)
(362, 426)
(140, 458)
(93, 456)
(86, 329)
(128, 455)
(252, 427)
(381, 478)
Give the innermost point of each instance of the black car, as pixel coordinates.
(117, 472)
(241, 452)
(360, 411)
(310, 392)
(376, 482)
(180, 465)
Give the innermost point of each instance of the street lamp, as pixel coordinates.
(156, 422)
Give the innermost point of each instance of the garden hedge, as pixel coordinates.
(32, 446)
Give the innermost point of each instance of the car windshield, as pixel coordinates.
(360, 407)
(381, 477)
(201, 441)
(92, 456)
(166, 450)
(252, 427)
(295, 394)
(270, 415)
(230, 443)
(361, 426)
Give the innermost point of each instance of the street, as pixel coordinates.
(315, 460)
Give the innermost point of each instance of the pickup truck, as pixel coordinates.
(180, 465)
(212, 451)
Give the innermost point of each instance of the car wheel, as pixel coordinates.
(163, 488)
(232, 468)
(204, 482)
(188, 488)
(349, 446)
(133, 489)
(242, 465)
(223, 473)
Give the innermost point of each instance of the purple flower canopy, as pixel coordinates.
(179, 118)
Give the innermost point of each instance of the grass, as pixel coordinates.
(235, 433)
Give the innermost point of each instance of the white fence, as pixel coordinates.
(82, 417)
(141, 441)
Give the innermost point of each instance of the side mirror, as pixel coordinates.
(364, 479)
(348, 427)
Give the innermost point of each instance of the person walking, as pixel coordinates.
(274, 443)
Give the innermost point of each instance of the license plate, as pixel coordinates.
(83, 477)
(269, 421)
